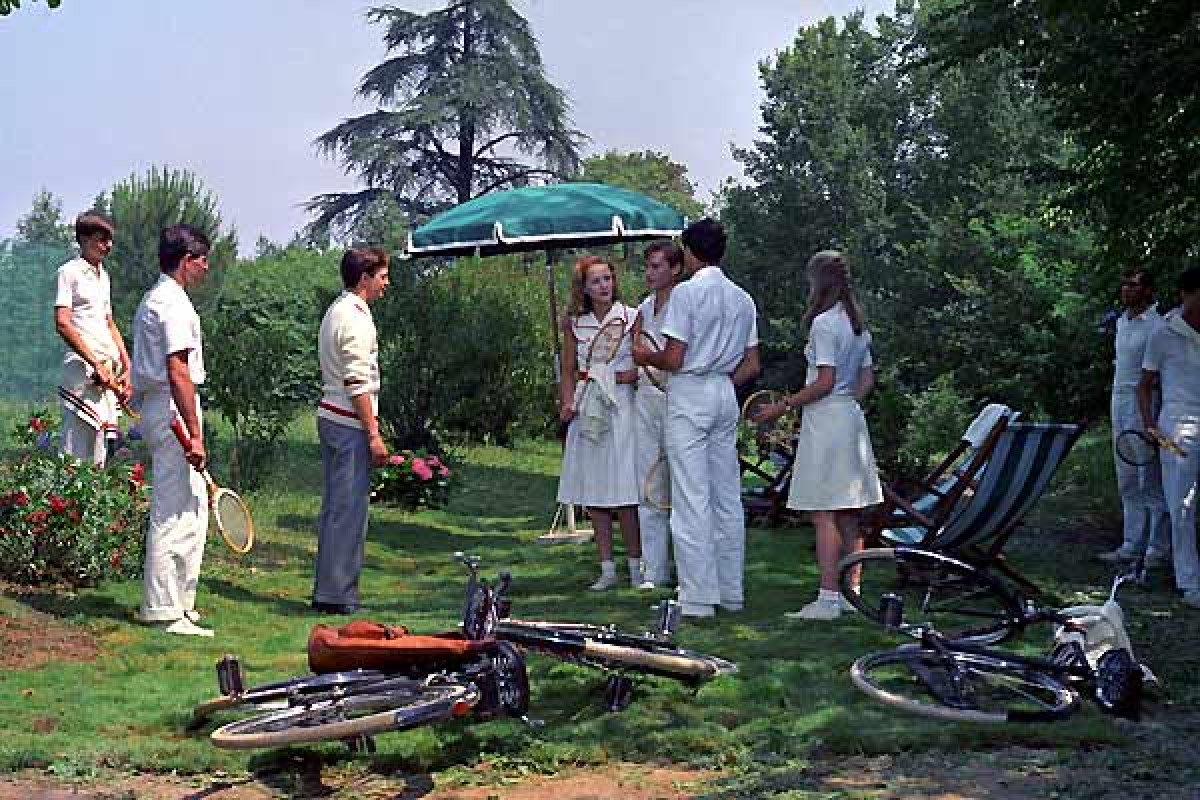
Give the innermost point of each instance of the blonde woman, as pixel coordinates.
(599, 461)
(835, 477)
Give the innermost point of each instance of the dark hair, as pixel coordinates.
(1141, 274)
(359, 261)
(706, 239)
(178, 241)
(671, 251)
(829, 283)
(1189, 281)
(89, 223)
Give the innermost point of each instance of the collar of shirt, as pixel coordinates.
(1149, 311)
(356, 301)
(709, 270)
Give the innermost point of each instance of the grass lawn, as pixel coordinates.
(781, 727)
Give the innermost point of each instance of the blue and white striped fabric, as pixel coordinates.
(1024, 460)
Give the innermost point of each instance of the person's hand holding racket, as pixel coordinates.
(230, 512)
(657, 377)
(1138, 448)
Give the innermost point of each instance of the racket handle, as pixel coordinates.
(185, 439)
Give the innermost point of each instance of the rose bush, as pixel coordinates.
(63, 522)
(411, 480)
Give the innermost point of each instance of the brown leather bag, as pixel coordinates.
(369, 645)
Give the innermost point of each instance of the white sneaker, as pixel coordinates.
(646, 586)
(1192, 598)
(186, 627)
(1117, 556)
(604, 582)
(818, 609)
(192, 614)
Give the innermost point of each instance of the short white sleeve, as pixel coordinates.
(178, 334)
(824, 339)
(64, 294)
(677, 320)
(1155, 343)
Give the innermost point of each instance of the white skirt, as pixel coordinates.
(835, 463)
(602, 474)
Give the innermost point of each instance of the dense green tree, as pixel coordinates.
(464, 108)
(140, 207)
(653, 174)
(1122, 77)
(934, 182)
(44, 223)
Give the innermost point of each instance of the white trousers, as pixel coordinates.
(1180, 477)
(1146, 526)
(84, 434)
(707, 519)
(650, 406)
(178, 522)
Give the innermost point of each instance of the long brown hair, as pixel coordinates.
(829, 282)
(579, 302)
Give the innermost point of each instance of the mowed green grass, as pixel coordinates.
(791, 702)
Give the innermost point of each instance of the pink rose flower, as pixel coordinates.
(396, 460)
(421, 469)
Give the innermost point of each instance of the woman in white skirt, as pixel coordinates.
(834, 476)
(596, 401)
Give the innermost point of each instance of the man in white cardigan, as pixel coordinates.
(348, 429)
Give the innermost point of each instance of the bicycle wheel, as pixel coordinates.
(397, 708)
(505, 687)
(962, 687)
(287, 693)
(910, 588)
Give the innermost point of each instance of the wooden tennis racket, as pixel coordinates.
(605, 344)
(656, 490)
(1137, 447)
(656, 376)
(767, 435)
(231, 513)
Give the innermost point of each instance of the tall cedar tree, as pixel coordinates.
(464, 109)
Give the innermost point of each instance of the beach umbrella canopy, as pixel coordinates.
(561, 215)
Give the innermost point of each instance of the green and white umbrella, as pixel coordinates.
(545, 217)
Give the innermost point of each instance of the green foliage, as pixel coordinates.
(653, 174)
(1121, 77)
(462, 91)
(44, 223)
(411, 480)
(62, 522)
(31, 358)
(140, 208)
(260, 346)
(935, 182)
(938, 411)
(466, 350)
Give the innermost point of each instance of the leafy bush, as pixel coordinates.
(66, 522)
(412, 480)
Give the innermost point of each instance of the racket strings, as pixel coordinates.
(234, 521)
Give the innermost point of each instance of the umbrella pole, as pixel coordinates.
(573, 534)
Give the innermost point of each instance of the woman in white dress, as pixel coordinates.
(596, 401)
(834, 476)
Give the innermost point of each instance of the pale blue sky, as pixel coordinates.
(236, 90)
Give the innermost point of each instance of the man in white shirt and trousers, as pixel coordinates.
(1172, 363)
(96, 365)
(712, 346)
(348, 429)
(168, 365)
(1146, 526)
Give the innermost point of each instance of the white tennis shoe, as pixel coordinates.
(185, 627)
(817, 610)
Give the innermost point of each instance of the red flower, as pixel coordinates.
(57, 504)
(76, 516)
(115, 559)
(36, 425)
(21, 499)
(137, 475)
(38, 517)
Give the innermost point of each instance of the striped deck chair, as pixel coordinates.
(936, 495)
(1019, 467)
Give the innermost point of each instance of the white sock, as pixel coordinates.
(831, 596)
(608, 569)
(635, 571)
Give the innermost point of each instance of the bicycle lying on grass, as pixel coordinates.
(605, 647)
(957, 612)
(369, 679)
